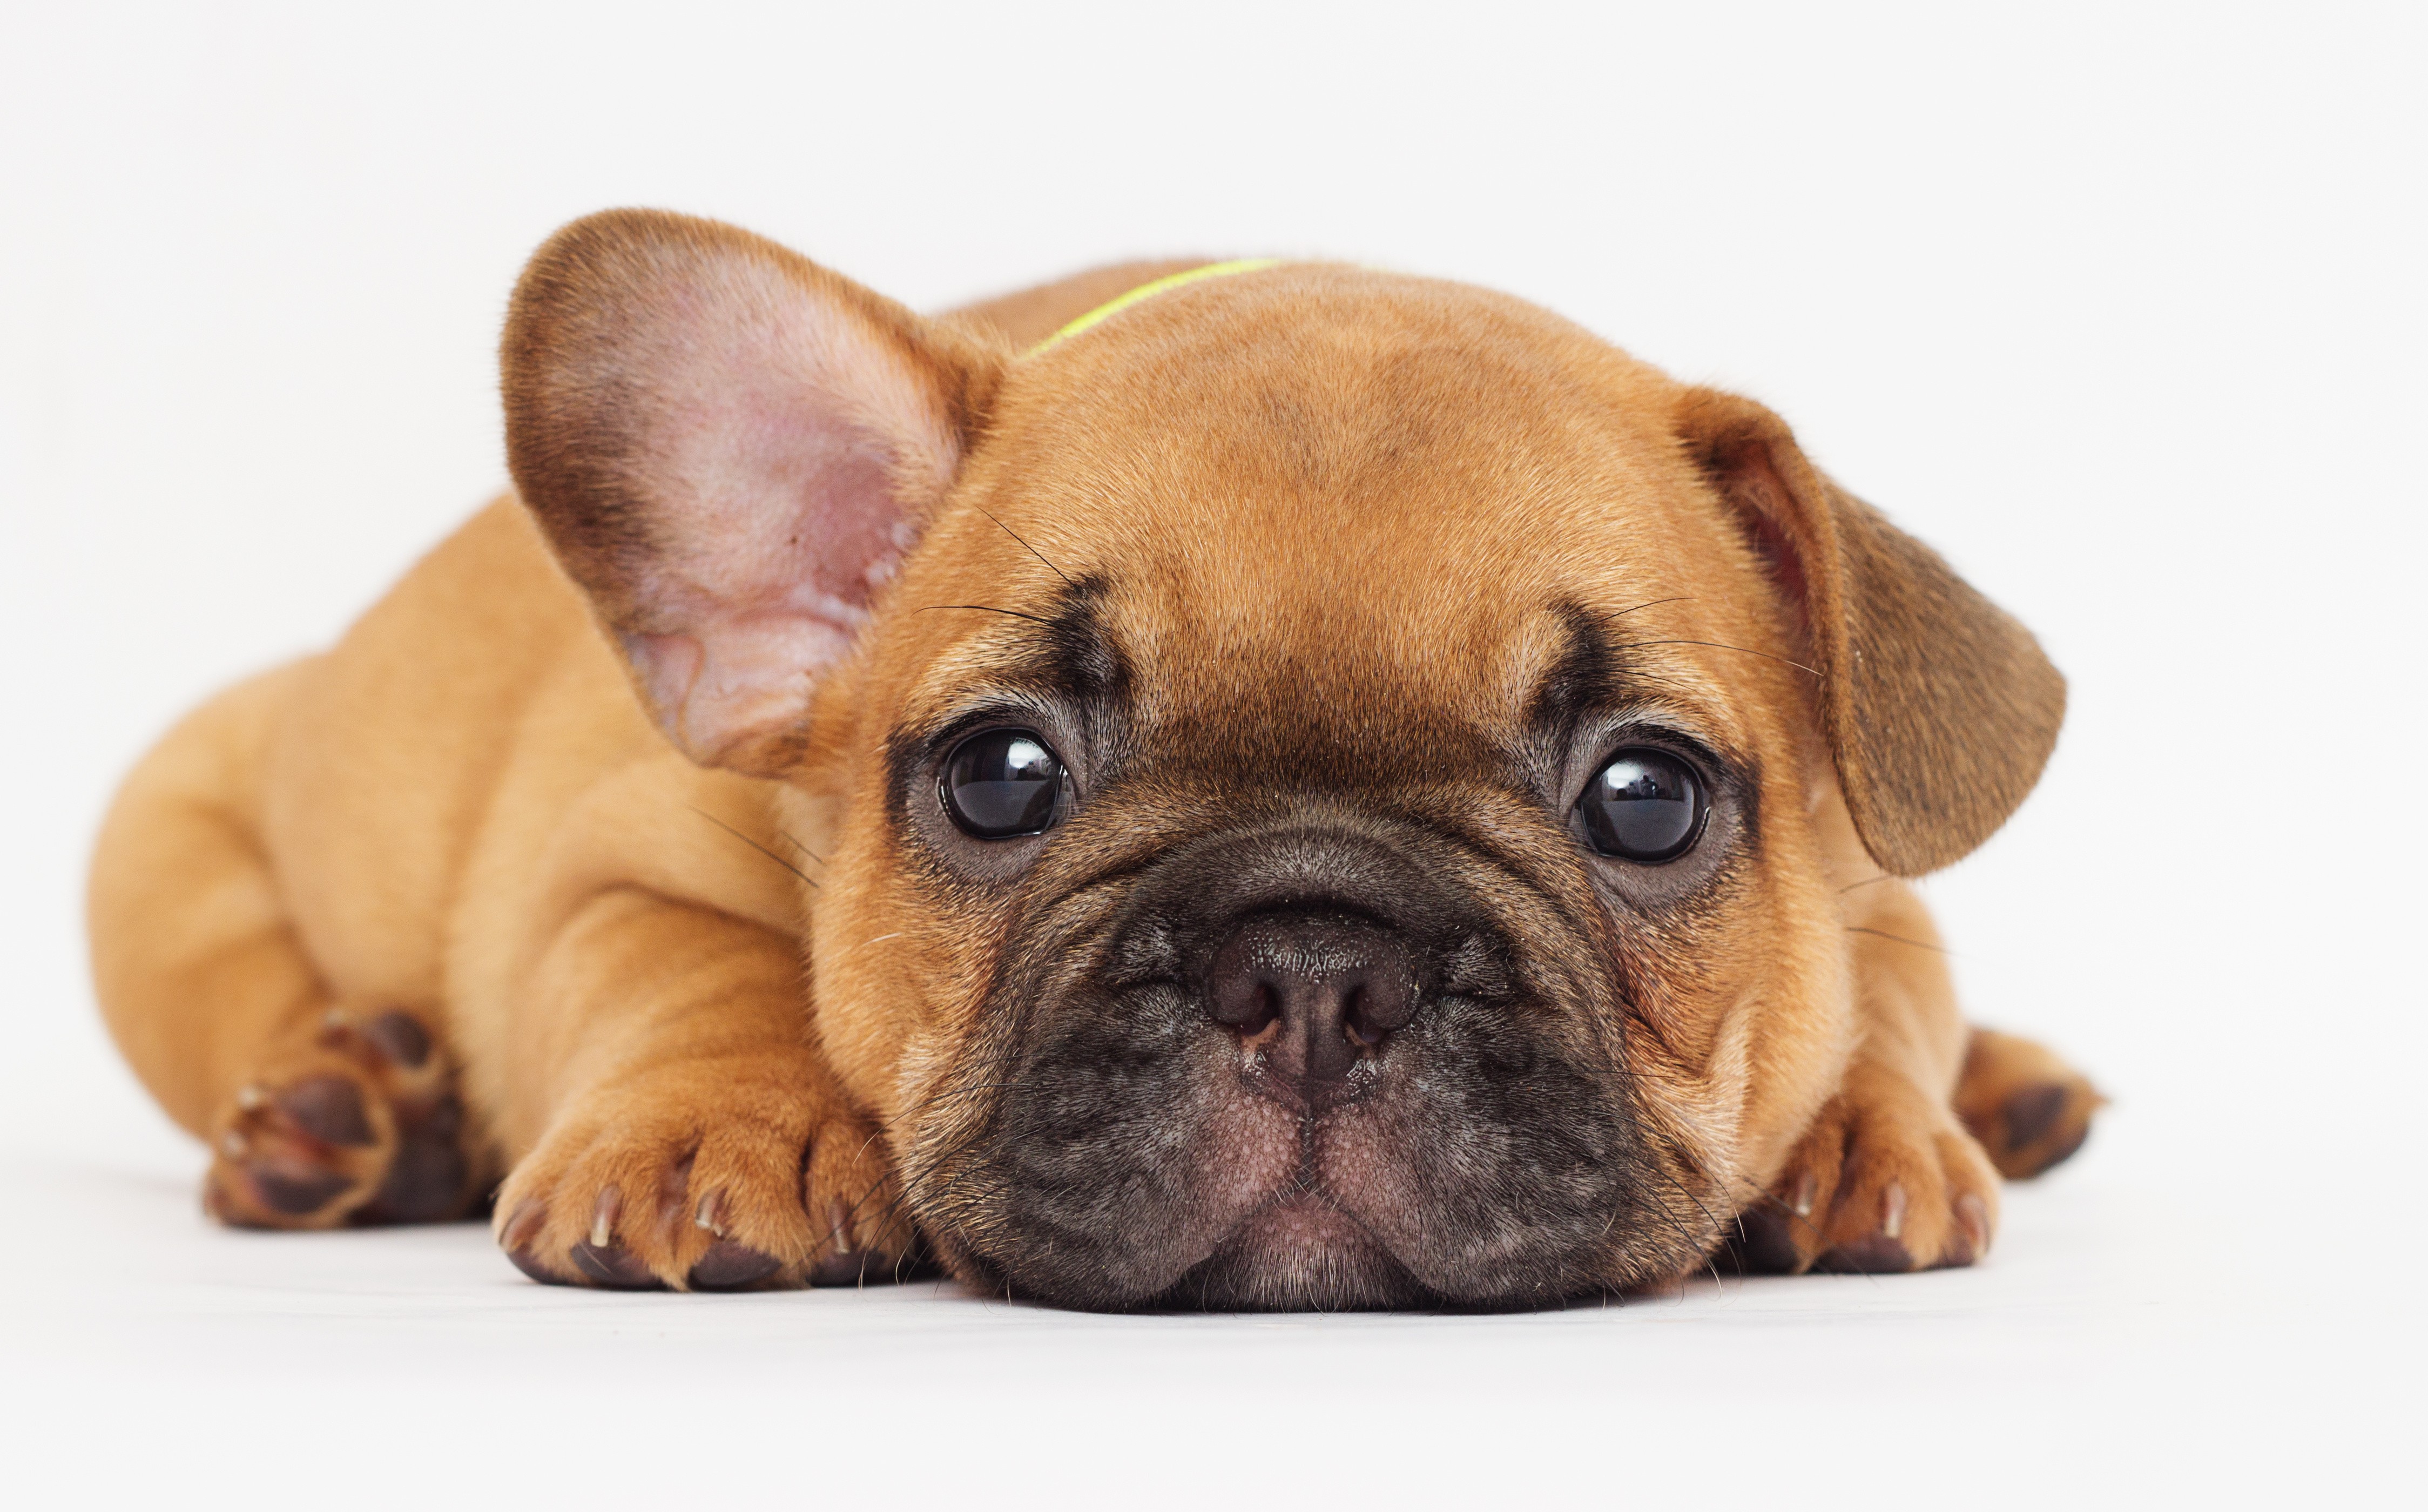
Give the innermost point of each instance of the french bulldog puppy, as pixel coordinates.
(1295, 787)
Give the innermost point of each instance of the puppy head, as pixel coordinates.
(1340, 781)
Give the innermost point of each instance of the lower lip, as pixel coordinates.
(1300, 1226)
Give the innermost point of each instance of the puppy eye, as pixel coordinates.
(1000, 784)
(1644, 805)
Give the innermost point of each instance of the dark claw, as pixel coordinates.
(399, 1037)
(330, 1109)
(529, 1217)
(1971, 1237)
(297, 1192)
(729, 1266)
(614, 1267)
(1872, 1255)
(1765, 1243)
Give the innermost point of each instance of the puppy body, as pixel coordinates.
(1313, 573)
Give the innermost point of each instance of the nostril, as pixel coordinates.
(1358, 1021)
(1262, 1010)
(1248, 1007)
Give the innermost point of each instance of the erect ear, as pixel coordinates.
(729, 449)
(1938, 708)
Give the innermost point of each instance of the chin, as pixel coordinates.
(1300, 1253)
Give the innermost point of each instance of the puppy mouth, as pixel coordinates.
(1298, 1068)
(1300, 1249)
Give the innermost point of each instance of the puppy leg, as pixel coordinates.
(315, 1116)
(2028, 1109)
(1887, 1177)
(694, 1138)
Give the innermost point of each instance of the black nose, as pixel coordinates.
(1316, 992)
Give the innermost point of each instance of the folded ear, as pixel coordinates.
(729, 449)
(1938, 708)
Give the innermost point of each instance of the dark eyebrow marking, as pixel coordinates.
(1084, 660)
(1077, 656)
(1582, 680)
(1594, 675)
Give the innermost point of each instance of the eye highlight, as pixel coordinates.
(1645, 805)
(1000, 784)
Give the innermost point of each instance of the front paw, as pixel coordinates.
(707, 1176)
(1884, 1181)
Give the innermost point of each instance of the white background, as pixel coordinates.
(2118, 305)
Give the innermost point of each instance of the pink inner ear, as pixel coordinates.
(784, 452)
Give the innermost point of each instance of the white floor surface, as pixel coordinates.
(2105, 1355)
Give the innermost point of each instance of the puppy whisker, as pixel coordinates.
(985, 608)
(1661, 1170)
(1653, 603)
(1723, 646)
(795, 841)
(1883, 934)
(754, 845)
(1031, 549)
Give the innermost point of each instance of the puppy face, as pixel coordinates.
(1338, 781)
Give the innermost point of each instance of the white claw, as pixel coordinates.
(706, 1217)
(1806, 1190)
(232, 1146)
(1893, 1211)
(249, 1097)
(601, 1233)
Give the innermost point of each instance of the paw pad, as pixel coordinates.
(2028, 1109)
(2038, 1125)
(360, 1124)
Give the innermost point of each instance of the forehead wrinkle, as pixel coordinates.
(1387, 399)
(1351, 491)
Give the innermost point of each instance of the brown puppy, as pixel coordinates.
(1319, 789)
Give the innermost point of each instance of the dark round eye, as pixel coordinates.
(1000, 784)
(1644, 805)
